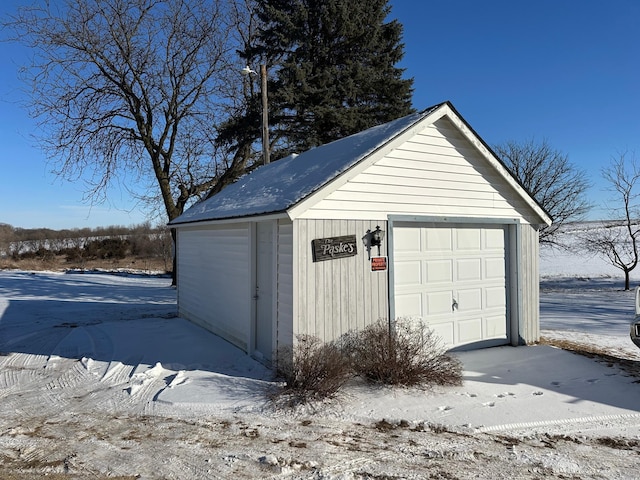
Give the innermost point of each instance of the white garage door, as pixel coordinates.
(452, 277)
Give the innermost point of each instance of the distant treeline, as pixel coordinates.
(9, 233)
(76, 245)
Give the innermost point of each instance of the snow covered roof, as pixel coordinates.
(279, 185)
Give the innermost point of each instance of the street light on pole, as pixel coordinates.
(265, 108)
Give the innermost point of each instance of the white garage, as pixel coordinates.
(289, 249)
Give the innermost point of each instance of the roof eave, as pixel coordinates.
(231, 219)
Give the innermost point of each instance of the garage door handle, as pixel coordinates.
(454, 306)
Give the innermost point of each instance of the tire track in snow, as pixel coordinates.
(20, 373)
(97, 368)
(67, 372)
(621, 418)
(54, 376)
(54, 384)
(118, 373)
(65, 376)
(42, 341)
(20, 368)
(146, 386)
(70, 381)
(114, 382)
(101, 349)
(137, 387)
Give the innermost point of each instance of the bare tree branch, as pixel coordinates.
(136, 90)
(556, 184)
(617, 240)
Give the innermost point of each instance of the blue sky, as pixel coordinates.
(564, 71)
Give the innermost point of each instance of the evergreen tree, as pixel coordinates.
(332, 69)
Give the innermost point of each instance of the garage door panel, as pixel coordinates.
(468, 239)
(436, 264)
(407, 240)
(438, 240)
(470, 330)
(495, 297)
(439, 303)
(408, 273)
(444, 331)
(439, 271)
(494, 238)
(494, 268)
(469, 269)
(494, 326)
(409, 305)
(469, 300)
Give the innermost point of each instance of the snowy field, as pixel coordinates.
(100, 379)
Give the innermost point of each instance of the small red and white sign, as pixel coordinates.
(378, 264)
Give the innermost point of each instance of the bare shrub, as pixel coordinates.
(107, 248)
(311, 370)
(403, 353)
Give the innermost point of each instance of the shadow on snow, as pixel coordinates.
(132, 321)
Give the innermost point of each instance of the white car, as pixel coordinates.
(635, 326)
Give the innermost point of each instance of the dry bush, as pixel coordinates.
(311, 370)
(403, 353)
(407, 354)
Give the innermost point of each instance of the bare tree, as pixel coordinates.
(618, 240)
(556, 184)
(134, 91)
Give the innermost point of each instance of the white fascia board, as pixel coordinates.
(298, 209)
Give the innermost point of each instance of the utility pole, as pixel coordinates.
(265, 114)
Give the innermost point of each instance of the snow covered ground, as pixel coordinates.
(100, 379)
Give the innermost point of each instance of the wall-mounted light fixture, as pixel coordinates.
(373, 239)
(377, 236)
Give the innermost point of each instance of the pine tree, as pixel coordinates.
(332, 68)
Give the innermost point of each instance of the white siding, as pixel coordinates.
(284, 294)
(437, 172)
(529, 283)
(214, 274)
(334, 297)
(265, 282)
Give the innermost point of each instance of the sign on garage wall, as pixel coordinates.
(334, 247)
(378, 264)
